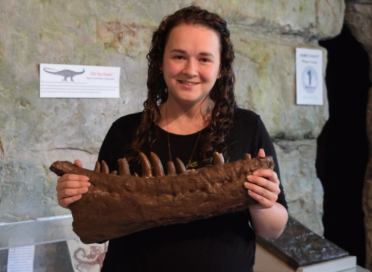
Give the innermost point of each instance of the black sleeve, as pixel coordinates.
(263, 140)
(118, 140)
(108, 152)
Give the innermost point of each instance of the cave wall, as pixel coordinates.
(36, 131)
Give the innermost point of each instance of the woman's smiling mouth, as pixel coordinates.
(187, 83)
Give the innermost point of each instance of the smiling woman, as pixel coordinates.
(191, 66)
(190, 112)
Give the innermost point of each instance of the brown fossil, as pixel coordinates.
(118, 205)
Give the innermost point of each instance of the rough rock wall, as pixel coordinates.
(358, 16)
(35, 132)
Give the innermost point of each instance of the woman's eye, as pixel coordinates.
(178, 57)
(204, 60)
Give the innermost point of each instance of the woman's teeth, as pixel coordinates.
(188, 83)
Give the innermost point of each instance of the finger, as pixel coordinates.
(257, 183)
(78, 163)
(65, 202)
(263, 181)
(266, 203)
(71, 192)
(261, 153)
(267, 174)
(264, 192)
(67, 177)
(71, 185)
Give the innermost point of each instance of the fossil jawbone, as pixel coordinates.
(115, 206)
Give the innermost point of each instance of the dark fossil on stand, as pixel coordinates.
(120, 204)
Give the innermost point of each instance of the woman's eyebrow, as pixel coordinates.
(206, 54)
(178, 51)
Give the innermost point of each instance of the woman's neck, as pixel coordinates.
(184, 120)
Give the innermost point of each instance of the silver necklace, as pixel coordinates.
(190, 164)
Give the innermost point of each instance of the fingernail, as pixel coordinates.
(245, 184)
(89, 184)
(250, 177)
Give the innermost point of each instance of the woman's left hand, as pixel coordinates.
(263, 186)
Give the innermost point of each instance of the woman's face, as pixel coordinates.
(191, 63)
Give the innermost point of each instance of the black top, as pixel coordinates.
(221, 243)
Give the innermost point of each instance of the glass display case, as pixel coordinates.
(36, 232)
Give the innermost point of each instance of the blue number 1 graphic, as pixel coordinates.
(309, 73)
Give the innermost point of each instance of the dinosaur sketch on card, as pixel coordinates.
(64, 73)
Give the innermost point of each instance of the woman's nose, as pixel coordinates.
(190, 68)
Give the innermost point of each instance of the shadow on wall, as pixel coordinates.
(342, 153)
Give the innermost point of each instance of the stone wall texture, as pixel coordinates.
(358, 16)
(36, 131)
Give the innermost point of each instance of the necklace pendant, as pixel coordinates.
(191, 164)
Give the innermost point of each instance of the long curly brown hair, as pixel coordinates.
(222, 93)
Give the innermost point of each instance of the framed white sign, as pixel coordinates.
(79, 81)
(309, 77)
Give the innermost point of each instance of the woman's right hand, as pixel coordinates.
(70, 187)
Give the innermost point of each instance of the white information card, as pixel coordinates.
(21, 259)
(74, 81)
(309, 77)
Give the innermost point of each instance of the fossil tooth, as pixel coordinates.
(135, 174)
(156, 165)
(218, 158)
(146, 166)
(97, 168)
(123, 167)
(180, 166)
(104, 168)
(114, 173)
(171, 168)
(247, 156)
